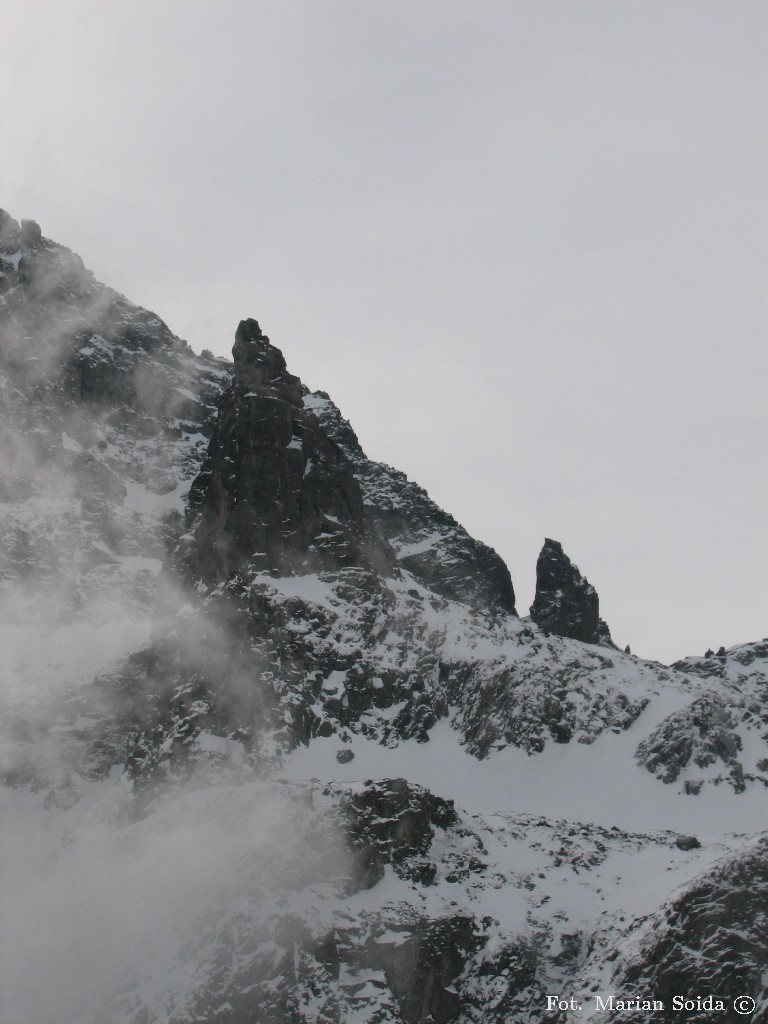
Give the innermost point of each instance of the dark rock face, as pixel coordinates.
(566, 603)
(277, 493)
(505, 979)
(421, 969)
(393, 821)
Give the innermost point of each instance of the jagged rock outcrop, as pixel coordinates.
(276, 493)
(740, 666)
(519, 704)
(427, 541)
(708, 741)
(700, 740)
(393, 822)
(566, 603)
(423, 965)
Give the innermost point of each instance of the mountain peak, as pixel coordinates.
(260, 368)
(279, 494)
(252, 345)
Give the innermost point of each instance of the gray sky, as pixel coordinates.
(522, 245)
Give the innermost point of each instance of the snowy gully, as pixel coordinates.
(744, 1005)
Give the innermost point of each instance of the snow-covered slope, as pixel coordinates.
(276, 746)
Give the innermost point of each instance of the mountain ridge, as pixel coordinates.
(393, 799)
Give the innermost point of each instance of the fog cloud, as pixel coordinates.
(135, 836)
(103, 916)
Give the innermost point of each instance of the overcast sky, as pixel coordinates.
(521, 244)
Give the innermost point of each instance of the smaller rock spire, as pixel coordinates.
(566, 603)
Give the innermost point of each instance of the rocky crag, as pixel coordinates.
(271, 715)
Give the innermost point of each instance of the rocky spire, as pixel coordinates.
(277, 494)
(260, 367)
(566, 603)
